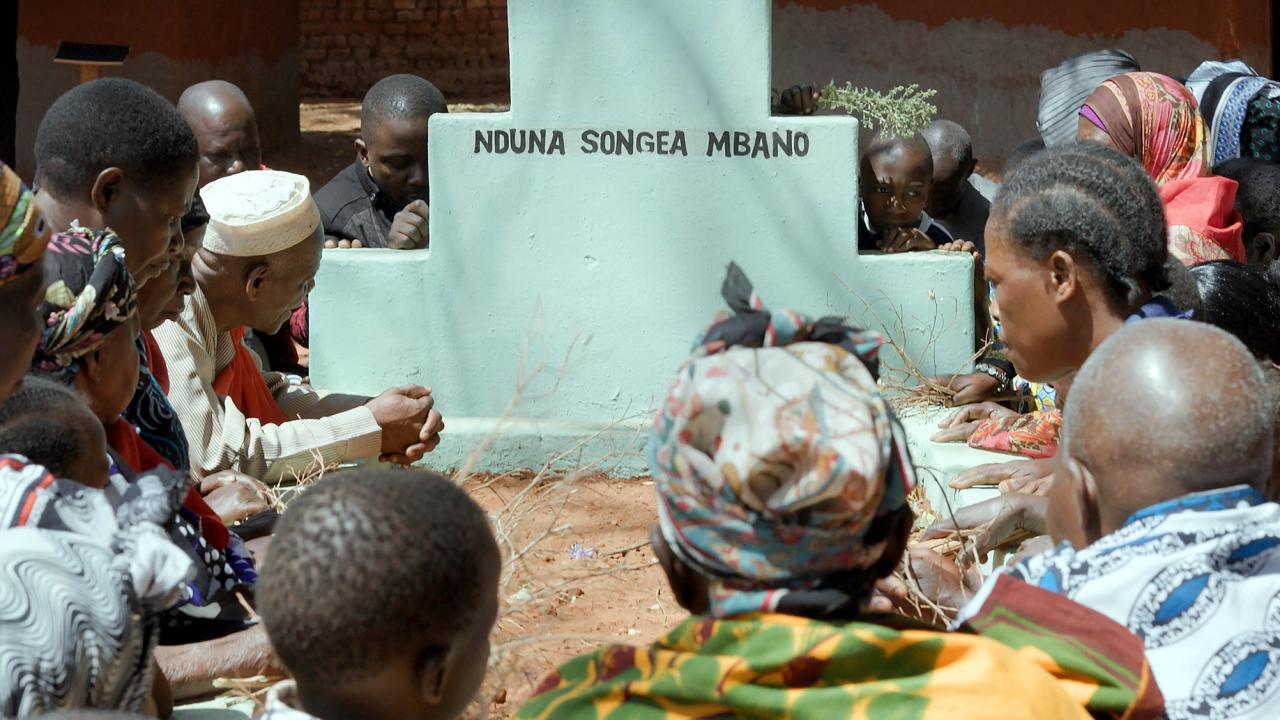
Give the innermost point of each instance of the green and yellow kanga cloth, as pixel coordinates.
(1077, 664)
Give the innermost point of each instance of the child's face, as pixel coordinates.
(895, 188)
(148, 220)
(92, 468)
(1024, 302)
(395, 151)
(115, 378)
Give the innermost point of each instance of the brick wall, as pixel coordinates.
(460, 45)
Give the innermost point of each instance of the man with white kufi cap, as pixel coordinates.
(261, 251)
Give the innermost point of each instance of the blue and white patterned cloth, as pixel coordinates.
(1198, 579)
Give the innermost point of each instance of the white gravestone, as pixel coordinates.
(579, 240)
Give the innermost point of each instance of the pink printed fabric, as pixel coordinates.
(1153, 118)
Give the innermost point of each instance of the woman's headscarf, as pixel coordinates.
(774, 453)
(1241, 108)
(91, 294)
(1154, 119)
(24, 235)
(1064, 88)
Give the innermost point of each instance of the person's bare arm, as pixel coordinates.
(192, 668)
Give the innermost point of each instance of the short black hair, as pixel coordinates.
(1258, 199)
(882, 144)
(1183, 290)
(45, 422)
(371, 563)
(1097, 204)
(111, 122)
(197, 216)
(1242, 300)
(1021, 152)
(398, 97)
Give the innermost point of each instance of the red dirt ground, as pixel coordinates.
(576, 605)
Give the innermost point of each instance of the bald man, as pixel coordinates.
(954, 201)
(226, 129)
(261, 250)
(896, 177)
(1158, 510)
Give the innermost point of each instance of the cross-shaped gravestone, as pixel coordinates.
(587, 230)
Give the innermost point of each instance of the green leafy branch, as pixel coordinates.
(901, 112)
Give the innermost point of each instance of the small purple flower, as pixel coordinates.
(579, 552)
(7, 264)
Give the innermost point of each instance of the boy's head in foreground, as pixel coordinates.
(393, 134)
(1076, 242)
(115, 154)
(896, 176)
(381, 594)
(51, 425)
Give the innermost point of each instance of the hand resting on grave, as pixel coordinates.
(993, 522)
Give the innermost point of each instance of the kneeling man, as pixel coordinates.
(261, 251)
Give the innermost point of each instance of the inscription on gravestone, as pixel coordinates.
(724, 143)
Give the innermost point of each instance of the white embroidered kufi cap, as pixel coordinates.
(258, 212)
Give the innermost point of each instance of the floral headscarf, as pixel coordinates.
(91, 294)
(773, 454)
(1154, 119)
(24, 234)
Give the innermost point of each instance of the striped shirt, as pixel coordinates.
(330, 428)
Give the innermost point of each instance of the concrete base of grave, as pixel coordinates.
(503, 444)
(617, 450)
(938, 463)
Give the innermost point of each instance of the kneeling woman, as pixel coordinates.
(782, 481)
(91, 323)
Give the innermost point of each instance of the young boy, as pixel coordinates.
(380, 200)
(50, 425)
(399, 571)
(115, 154)
(896, 176)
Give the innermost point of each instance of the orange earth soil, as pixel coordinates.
(560, 603)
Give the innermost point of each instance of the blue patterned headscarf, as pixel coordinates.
(1232, 96)
(774, 453)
